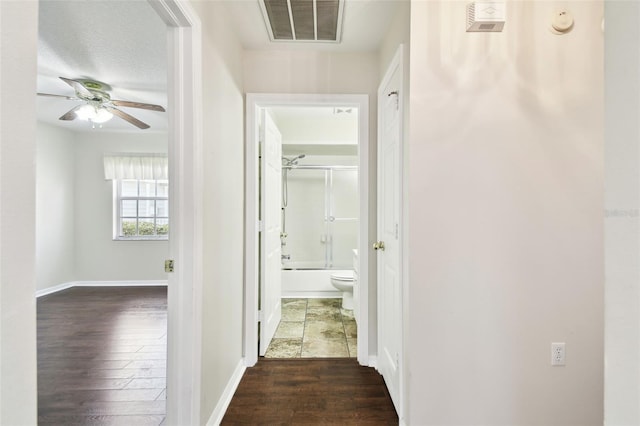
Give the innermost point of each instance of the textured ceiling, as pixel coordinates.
(123, 43)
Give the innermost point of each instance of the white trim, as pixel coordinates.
(54, 289)
(128, 283)
(227, 395)
(255, 101)
(184, 328)
(373, 362)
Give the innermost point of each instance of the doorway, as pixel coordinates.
(184, 92)
(318, 213)
(305, 162)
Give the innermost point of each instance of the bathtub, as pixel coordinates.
(308, 280)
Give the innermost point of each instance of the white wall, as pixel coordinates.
(74, 227)
(55, 206)
(314, 72)
(223, 158)
(18, 44)
(319, 130)
(398, 33)
(505, 196)
(622, 214)
(98, 256)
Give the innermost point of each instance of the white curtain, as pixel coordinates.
(136, 166)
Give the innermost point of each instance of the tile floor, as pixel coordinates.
(314, 328)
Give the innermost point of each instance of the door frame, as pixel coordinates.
(184, 87)
(255, 101)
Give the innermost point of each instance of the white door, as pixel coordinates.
(389, 232)
(270, 249)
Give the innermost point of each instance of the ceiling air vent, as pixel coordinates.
(303, 20)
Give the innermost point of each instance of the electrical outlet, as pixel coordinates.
(558, 353)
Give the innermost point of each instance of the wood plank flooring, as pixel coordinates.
(102, 356)
(311, 391)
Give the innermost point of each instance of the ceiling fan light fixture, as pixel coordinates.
(102, 116)
(95, 114)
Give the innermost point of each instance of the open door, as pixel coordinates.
(389, 233)
(270, 228)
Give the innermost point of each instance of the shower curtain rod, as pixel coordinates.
(314, 167)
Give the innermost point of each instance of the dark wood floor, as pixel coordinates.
(102, 356)
(311, 391)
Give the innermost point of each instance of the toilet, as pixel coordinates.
(343, 281)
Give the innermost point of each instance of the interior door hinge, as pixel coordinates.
(397, 98)
(260, 226)
(168, 265)
(260, 316)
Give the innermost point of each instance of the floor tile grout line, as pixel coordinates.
(344, 330)
(304, 326)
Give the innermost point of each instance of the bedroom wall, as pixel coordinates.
(98, 256)
(506, 212)
(55, 206)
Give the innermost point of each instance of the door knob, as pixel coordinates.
(379, 245)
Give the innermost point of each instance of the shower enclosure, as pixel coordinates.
(319, 216)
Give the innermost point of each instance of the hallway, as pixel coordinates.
(311, 391)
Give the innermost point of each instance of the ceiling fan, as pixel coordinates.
(98, 107)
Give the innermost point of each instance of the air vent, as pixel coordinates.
(303, 20)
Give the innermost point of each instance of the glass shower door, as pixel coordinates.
(343, 206)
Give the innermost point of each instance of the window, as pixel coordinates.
(141, 209)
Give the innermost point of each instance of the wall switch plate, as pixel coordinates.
(558, 354)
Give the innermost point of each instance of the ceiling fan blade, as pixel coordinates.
(71, 114)
(138, 105)
(71, 98)
(131, 119)
(78, 87)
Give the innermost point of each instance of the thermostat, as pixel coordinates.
(486, 16)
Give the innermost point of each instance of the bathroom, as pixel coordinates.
(319, 232)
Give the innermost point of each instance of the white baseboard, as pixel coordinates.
(373, 362)
(54, 289)
(128, 283)
(227, 395)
